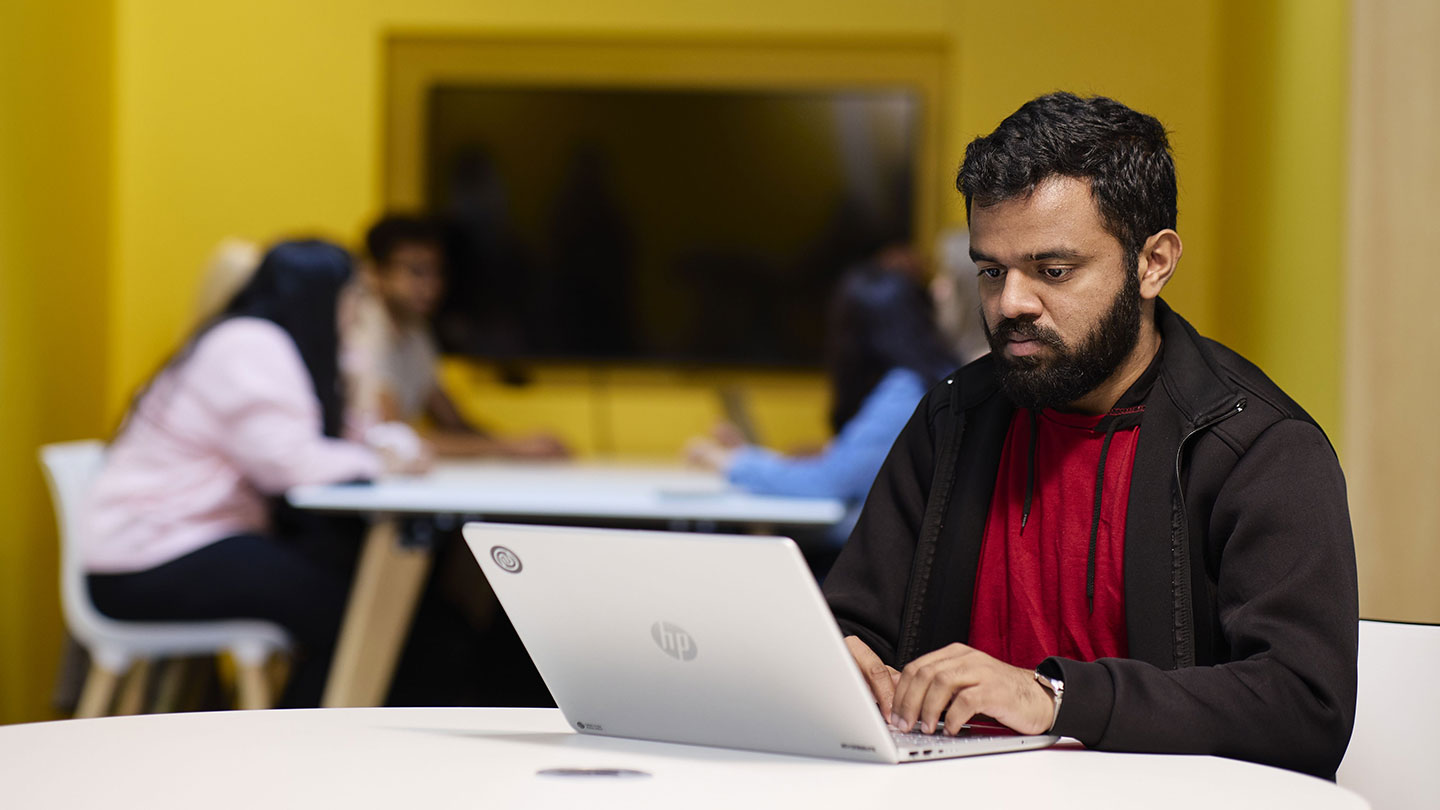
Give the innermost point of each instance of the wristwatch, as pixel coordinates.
(1056, 688)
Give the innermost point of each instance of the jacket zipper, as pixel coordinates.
(1184, 526)
(1180, 451)
(931, 525)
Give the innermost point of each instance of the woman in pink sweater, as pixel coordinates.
(179, 522)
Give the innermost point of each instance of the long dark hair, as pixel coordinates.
(880, 320)
(297, 286)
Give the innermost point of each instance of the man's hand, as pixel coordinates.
(961, 682)
(880, 676)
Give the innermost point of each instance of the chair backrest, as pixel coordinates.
(70, 468)
(1394, 755)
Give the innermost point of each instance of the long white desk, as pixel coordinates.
(391, 574)
(571, 492)
(494, 759)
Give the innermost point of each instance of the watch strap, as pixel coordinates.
(1056, 688)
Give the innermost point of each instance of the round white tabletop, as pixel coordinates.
(502, 758)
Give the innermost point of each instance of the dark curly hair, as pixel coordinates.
(394, 230)
(1123, 154)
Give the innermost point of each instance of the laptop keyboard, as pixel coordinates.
(909, 739)
(968, 733)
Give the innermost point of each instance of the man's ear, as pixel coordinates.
(1157, 263)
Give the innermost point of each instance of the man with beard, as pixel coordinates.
(1110, 527)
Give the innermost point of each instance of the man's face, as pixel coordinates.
(412, 280)
(1061, 305)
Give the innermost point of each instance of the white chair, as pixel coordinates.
(1394, 755)
(115, 646)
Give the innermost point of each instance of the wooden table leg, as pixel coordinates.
(134, 689)
(377, 620)
(99, 693)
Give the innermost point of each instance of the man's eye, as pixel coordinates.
(991, 272)
(1055, 272)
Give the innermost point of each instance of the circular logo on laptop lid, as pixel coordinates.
(506, 559)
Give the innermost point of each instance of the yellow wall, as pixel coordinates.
(55, 123)
(1160, 58)
(1285, 69)
(265, 118)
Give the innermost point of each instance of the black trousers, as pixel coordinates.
(299, 582)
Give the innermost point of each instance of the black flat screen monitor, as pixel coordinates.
(702, 227)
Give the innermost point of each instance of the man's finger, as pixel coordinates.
(875, 672)
(949, 686)
(916, 683)
(910, 692)
(960, 712)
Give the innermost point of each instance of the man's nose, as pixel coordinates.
(1018, 297)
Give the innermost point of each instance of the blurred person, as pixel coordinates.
(390, 351)
(957, 300)
(229, 267)
(179, 523)
(884, 353)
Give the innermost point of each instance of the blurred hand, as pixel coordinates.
(708, 453)
(961, 682)
(401, 450)
(536, 446)
(726, 434)
(417, 461)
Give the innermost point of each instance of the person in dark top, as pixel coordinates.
(1109, 527)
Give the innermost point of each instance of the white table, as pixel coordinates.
(492, 758)
(664, 494)
(391, 574)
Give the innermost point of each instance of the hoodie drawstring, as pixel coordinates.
(1095, 516)
(1030, 472)
(1113, 421)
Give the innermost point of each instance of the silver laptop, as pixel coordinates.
(720, 640)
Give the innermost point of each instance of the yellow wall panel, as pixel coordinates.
(1160, 58)
(55, 108)
(1282, 195)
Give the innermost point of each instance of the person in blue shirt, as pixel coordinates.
(884, 352)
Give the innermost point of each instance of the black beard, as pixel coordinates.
(1035, 383)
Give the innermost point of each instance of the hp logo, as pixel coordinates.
(506, 559)
(673, 641)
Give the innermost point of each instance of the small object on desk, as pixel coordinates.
(678, 493)
(613, 773)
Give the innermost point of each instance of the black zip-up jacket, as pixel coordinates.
(1240, 588)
